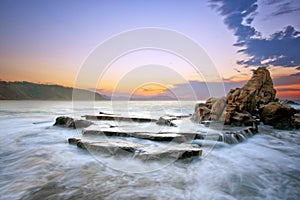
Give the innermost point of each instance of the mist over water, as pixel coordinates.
(36, 162)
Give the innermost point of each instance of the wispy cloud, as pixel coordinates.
(297, 74)
(284, 8)
(235, 12)
(280, 49)
(271, 2)
(156, 90)
(286, 80)
(288, 89)
(199, 90)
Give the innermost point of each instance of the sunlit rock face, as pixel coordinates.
(243, 103)
(242, 106)
(257, 91)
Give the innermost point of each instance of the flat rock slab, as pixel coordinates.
(172, 151)
(119, 118)
(162, 137)
(111, 147)
(136, 150)
(228, 135)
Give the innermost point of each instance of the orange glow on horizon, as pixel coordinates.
(146, 90)
(288, 91)
(150, 90)
(288, 95)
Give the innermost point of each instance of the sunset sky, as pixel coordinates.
(49, 41)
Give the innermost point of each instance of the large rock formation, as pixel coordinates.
(243, 106)
(244, 102)
(257, 91)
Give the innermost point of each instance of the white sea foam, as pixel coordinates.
(37, 162)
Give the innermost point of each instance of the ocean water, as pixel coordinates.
(36, 162)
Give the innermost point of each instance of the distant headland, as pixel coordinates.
(23, 90)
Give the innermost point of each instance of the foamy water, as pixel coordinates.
(36, 161)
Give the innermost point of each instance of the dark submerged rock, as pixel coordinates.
(277, 115)
(165, 121)
(73, 140)
(71, 123)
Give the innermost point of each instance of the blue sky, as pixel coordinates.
(38, 39)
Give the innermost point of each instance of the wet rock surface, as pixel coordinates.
(147, 145)
(107, 146)
(137, 150)
(176, 151)
(141, 135)
(170, 145)
(179, 145)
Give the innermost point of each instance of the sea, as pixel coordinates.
(36, 161)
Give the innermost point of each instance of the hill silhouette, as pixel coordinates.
(32, 91)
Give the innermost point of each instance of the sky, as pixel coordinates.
(50, 41)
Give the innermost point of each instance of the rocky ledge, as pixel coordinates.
(159, 137)
(228, 135)
(147, 145)
(249, 105)
(117, 147)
